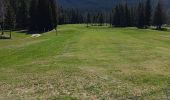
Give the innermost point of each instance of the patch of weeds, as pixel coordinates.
(63, 98)
(93, 89)
(166, 93)
(147, 79)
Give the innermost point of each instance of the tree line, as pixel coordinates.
(141, 16)
(34, 15)
(45, 15)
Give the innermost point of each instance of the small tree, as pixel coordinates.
(159, 16)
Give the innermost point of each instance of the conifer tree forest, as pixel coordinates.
(45, 15)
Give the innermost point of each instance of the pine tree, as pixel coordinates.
(159, 16)
(148, 11)
(111, 18)
(116, 19)
(132, 17)
(9, 17)
(127, 16)
(2, 16)
(43, 12)
(33, 16)
(1, 10)
(22, 15)
(53, 13)
(101, 19)
(88, 19)
(141, 16)
(61, 16)
(122, 15)
(94, 19)
(43, 16)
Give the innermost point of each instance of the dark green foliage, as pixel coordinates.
(159, 16)
(122, 16)
(88, 19)
(53, 13)
(101, 19)
(9, 22)
(128, 20)
(111, 18)
(61, 16)
(70, 16)
(43, 15)
(44, 21)
(2, 12)
(38, 15)
(116, 21)
(33, 15)
(148, 13)
(141, 16)
(22, 14)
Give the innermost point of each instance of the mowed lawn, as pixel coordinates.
(86, 63)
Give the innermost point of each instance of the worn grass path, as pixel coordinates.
(86, 63)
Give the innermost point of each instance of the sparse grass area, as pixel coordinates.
(86, 63)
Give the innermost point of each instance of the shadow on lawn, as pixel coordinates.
(162, 29)
(28, 32)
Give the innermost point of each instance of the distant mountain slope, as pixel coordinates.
(100, 4)
(105, 4)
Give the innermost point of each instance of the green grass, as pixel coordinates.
(86, 63)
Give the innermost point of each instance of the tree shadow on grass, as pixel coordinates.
(28, 32)
(162, 29)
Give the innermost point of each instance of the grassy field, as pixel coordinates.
(86, 63)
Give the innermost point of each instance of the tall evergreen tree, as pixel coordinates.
(88, 19)
(127, 16)
(132, 16)
(116, 19)
(159, 16)
(9, 17)
(101, 19)
(1, 10)
(33, 16)
(61, 16)
(44, 22)
(141, 16)
(148, 13)
(111, 18)
(22, 14)
(43, 12)
(53, 11)
(122, 15)
(2, 15)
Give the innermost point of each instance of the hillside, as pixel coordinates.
(99, 4)
(83, 63)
